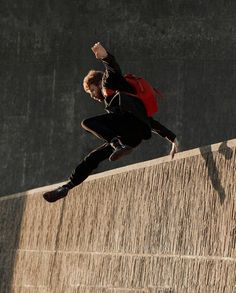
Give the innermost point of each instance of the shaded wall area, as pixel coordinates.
(186, 48)
(11, 213)
(157, 226)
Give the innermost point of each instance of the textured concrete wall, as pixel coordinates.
(158, 226)
(186, 47)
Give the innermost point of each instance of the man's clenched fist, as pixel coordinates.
(99, 51)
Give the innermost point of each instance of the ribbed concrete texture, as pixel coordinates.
(157, 226)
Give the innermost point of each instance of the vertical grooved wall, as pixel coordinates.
(157, 226)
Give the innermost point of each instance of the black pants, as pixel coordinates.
(130, 130)
(106, 127)
(90, 162)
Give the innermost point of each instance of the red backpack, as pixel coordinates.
(145, 92)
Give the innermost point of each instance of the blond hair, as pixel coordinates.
(93, 77)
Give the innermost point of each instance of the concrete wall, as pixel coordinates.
(158, 226)
(187, 48)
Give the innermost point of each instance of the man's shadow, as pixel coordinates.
(213, 172)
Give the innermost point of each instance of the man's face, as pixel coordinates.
(95, 92)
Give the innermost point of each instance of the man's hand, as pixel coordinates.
(174, 149)
(99, 51)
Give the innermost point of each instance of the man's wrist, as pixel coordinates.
(105, 57)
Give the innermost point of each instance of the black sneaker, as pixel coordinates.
(54, 195)
(120, 149)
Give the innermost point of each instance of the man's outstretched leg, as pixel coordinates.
(122, 133)
(82, 171)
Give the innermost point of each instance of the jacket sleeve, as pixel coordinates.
(160, 129)
(113, 77)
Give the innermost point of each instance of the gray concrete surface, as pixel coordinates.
(156, 226)
(187, 48)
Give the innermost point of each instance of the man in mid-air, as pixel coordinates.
(122, 128)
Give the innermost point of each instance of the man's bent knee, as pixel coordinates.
(87, 123)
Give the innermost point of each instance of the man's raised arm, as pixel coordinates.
(107, 59)
(113, 77)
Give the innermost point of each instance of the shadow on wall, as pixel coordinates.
(11, 213)
(213, 172)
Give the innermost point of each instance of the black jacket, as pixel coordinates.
(121, 101)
